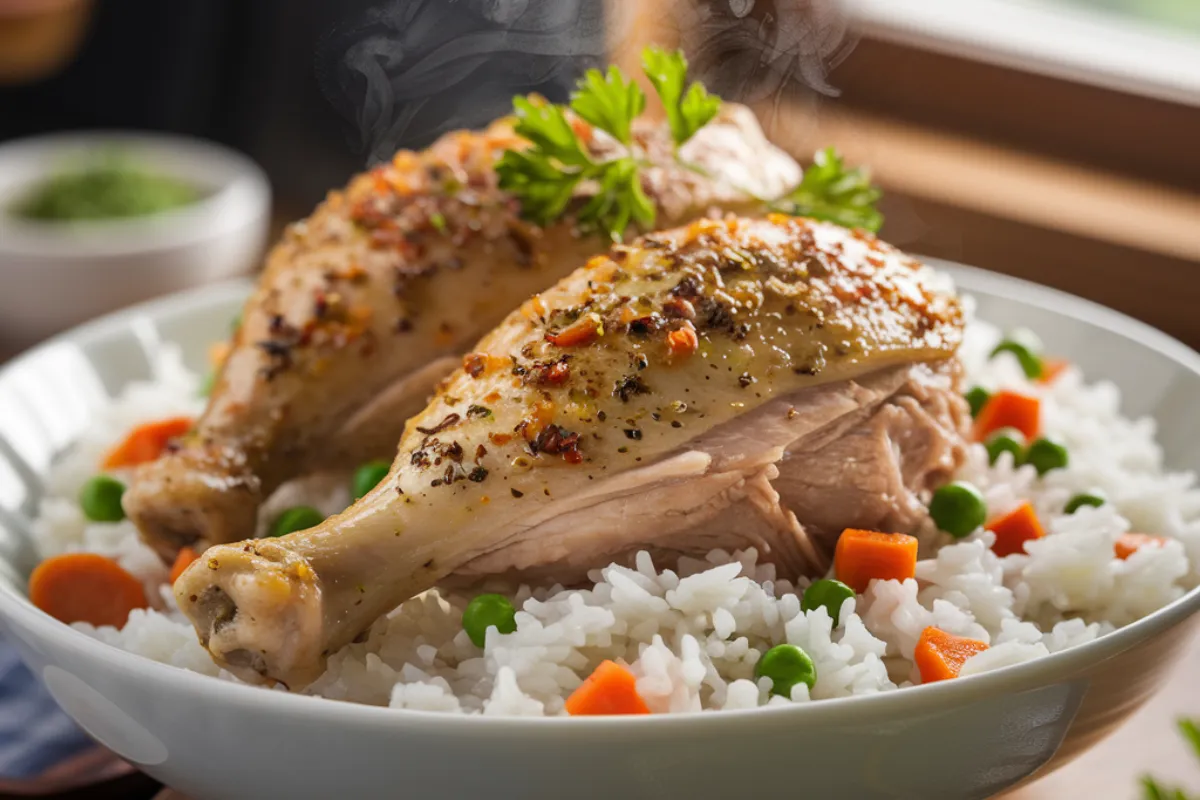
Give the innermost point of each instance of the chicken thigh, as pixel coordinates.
(725, 384)
(363, 307)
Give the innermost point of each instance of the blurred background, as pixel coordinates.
(1055, 140)
(1050, 139)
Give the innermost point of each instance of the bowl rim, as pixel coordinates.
(923, 699)
(239, 200)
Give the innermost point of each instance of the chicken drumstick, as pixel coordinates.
(363, 307)
(725, 384)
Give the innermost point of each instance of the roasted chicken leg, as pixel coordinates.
(363, 307)
(726, 384)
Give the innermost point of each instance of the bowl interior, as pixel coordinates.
(51, 394)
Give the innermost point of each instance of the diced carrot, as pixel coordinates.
(683, 341)
(218, 352)
(863, 556)
(1007, 409)
(1052, 368)
(182, 561)
(1014, 529)
(584, 330)
(610, 689)
(85, 587)
(147, 442)
(940, 656)
(1130, 543)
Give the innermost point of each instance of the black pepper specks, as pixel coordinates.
(629, 386)
(449, 420)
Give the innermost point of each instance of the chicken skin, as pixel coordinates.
(363, 307)
(729, 383)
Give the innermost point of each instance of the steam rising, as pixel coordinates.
(752, 50)
(406, 71)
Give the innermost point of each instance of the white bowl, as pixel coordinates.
(55, 275)
(965, 738)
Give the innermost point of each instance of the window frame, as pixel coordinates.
(1060, 41)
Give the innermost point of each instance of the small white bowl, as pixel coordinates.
(57, 274)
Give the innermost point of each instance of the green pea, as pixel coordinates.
(206, 385)
(958, 508)
(1045, 455)
(828, 593)
(1084, 499)
(1006, 440)
(1027, 347)
(977, 398)
(100, 499)
(488, 611)
(368, 476)
(297, 518)
(786, 665)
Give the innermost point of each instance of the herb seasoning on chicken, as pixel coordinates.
(731, 383)
(365, 306)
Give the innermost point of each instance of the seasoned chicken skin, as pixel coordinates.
(729, 383)
(363, 307)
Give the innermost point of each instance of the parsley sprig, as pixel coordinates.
(1152, 789)
(610, 102)
(831, 192)
(545, 176)
(687, 112)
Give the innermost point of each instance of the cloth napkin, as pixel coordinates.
(35, 735)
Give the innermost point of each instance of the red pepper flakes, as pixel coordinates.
(555, 373)
(583, 331)
(683, 341)
(474, 364)
(556, 440)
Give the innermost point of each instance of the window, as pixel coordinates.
(1146, 47)
(1178, 14)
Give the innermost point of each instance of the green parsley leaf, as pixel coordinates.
(618, 200)
(543, 188)
(610, 102)
(828, 191)
(1152, 789)
(1191, 731)
(546, 126)
(687, 112)
(545, 176)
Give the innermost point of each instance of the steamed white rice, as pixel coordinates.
(693, 631)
